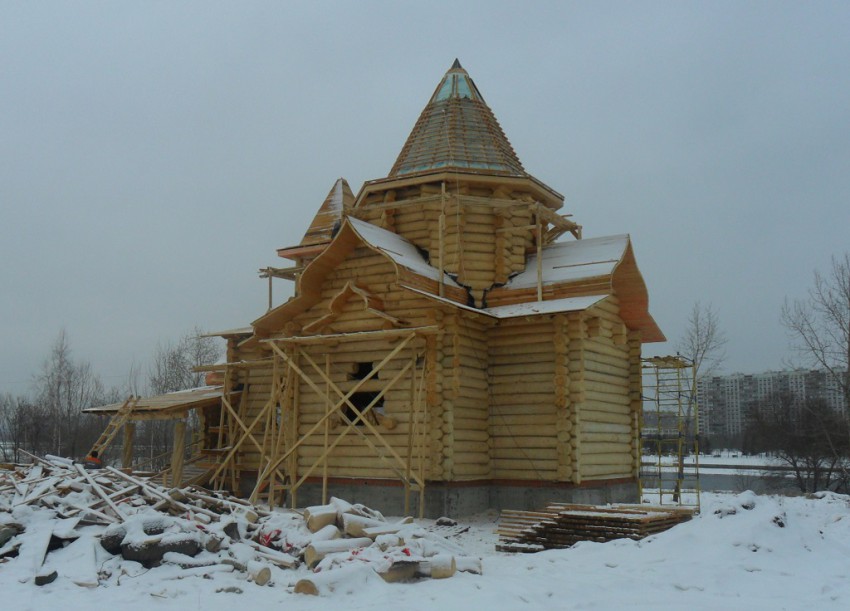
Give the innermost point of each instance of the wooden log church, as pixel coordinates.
(444, 352)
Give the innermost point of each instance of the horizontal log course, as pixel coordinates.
(603, 417)
(521, 430)
(535, 361)
(591, 427)
(533, 454)
(465, 434)
(309, 451)
(508, 340)
(619, 371)
(533, 365)
(540, 396)
(474, 380)
(518, 419)
(522, 464)
(469, 422)
(591, 384)
(621, 438)
(597, 402)
(605, 471)
(471, 458)
(515, 418)
(354, 467)
(605, 349)
(612, 449)
(524, 474)
(522, 353)
(521, 441)
(476, 279)
(622, 461)
(473, 471)
(510, 382)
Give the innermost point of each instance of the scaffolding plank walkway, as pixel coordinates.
(562, 525)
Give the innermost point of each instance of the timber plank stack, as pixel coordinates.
(561, 525)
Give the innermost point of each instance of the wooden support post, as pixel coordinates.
(328, 407)
(270, 291)
(410, 426)
(127, 450)
(442, 239)
(177, 453)
(539, 255)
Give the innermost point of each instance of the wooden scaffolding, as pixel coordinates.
(669, 432)
(276, 431)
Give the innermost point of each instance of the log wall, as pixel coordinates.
(466, 441)
(607, 431)
(523, 410)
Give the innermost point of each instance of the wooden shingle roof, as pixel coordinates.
(457, 130)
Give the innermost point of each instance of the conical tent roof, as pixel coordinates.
(321, 229)
(457, 130)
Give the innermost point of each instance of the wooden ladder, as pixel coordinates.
(115, 424)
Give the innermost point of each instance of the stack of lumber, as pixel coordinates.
(59, 521)
(562, 525)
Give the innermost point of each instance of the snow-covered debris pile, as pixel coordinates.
(351, 543)
(59, 521)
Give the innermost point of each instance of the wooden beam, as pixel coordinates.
(353, 336)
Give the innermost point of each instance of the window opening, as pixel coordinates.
(361, 401)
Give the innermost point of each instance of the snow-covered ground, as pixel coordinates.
(744, 552)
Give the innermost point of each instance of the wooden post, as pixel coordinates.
(410, 424)
(293, 458)
(539, 256)
(328, 406)
(442, 238)
(177, 453)
(127, 450)
(270, 290)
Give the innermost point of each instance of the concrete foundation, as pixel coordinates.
(466, 498)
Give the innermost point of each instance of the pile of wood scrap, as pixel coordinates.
(562, 525)
(351, 543)
(60, 521)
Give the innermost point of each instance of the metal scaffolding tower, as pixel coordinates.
(669, 432)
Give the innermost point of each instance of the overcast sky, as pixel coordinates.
(153, 155)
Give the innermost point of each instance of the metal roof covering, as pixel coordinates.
(457, 130)
(573, 261)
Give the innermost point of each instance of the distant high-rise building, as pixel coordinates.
(725, 401)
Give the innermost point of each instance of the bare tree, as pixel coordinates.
(172, 369)
(806, 435)
(173, 364)
(703, 342)
(703, 345)
(63, 388)
(819, 325)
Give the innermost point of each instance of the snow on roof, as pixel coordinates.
(553, 306)
(572, 261)
(227, 332)
(398, 249)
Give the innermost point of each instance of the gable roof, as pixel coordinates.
(457, 130)
(402, 254)
(573, 261)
